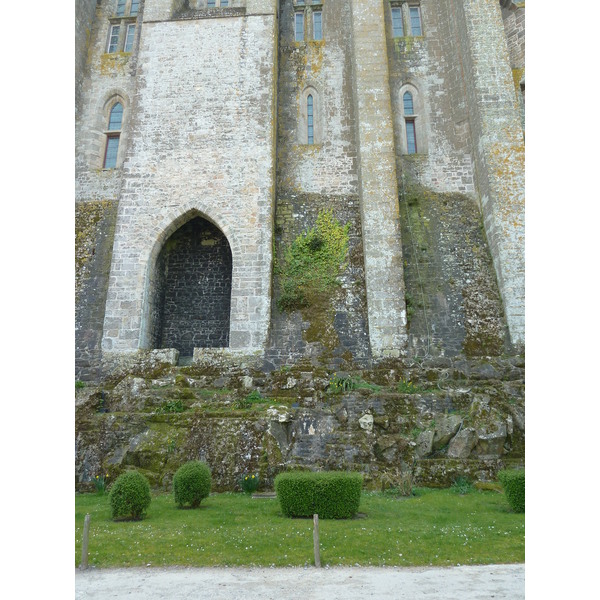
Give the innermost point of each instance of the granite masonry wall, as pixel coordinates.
(498, 143)
(336, 335)
(95, 225)
(452, 297)
(109, 78)
(179, 246)
(219, 132)
(428, 66)
(85, 11)
(513, 16)
(316, 177)
(200, 146)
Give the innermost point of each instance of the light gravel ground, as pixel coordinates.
(500, 582)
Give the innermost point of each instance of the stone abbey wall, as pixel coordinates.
(429, 67)
(218, 131)
(201, 146)
(181, 248)
(498, 149)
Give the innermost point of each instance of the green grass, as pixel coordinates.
(436, 527)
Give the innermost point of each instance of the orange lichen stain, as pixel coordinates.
(114, 63)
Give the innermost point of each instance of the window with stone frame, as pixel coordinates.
(217, 3)
(299, 26)
(397, 21)
(310, 130)
(414, 13)
(413, 130)
(121, 32)
(406, 18)
(317, 25)
(113, 135)
(309, 126)
(308, 20)
(409, 120)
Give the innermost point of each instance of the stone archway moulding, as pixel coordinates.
(158, 235)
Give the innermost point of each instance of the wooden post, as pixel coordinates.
(84, 544)
(316, 541)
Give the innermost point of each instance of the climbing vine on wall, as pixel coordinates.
(312, 263)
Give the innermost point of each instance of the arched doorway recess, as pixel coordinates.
(192, 289)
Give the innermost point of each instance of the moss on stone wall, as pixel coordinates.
(453, 302)
(88, 215)
(304, 425)
(312, 264)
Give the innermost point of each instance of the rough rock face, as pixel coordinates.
(462, 443)
(241, 421)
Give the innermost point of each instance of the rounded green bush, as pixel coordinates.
(130, 497)
(331, 495)
(191, 483)
(513, 482)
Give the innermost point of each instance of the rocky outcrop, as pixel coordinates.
(243, 421)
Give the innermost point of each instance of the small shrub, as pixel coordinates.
(407, 387)
(100, 484)
(513, 482)
(191, 483)
(250, 483)
(79, 385)
(254, 397)
(171, 406)
(359, 384)
(242, 404)
(462, 486)
(331, 495)
(339, 384)
(130, 497)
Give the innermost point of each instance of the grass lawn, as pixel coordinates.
(435, 527)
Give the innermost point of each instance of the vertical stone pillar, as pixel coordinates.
(499, 152)
(377, 182)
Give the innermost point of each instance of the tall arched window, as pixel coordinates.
(409, 121)
(310, 121)
(310, 127)
(113, 135)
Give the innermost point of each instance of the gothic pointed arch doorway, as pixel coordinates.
(192, 289)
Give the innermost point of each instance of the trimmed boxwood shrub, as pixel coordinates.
(331, 495)
(513, 482)
(130, 497)
(191, 483)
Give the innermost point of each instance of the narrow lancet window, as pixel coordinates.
(299, 26)
(115, 122)
(408, 104)
(113, 40)
(317, 26)
(129, 38)
(397, 25)
(415, 20)
(116, 117)
(411, 136)
(310, 122)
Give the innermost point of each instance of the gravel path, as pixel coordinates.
(500, 582)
